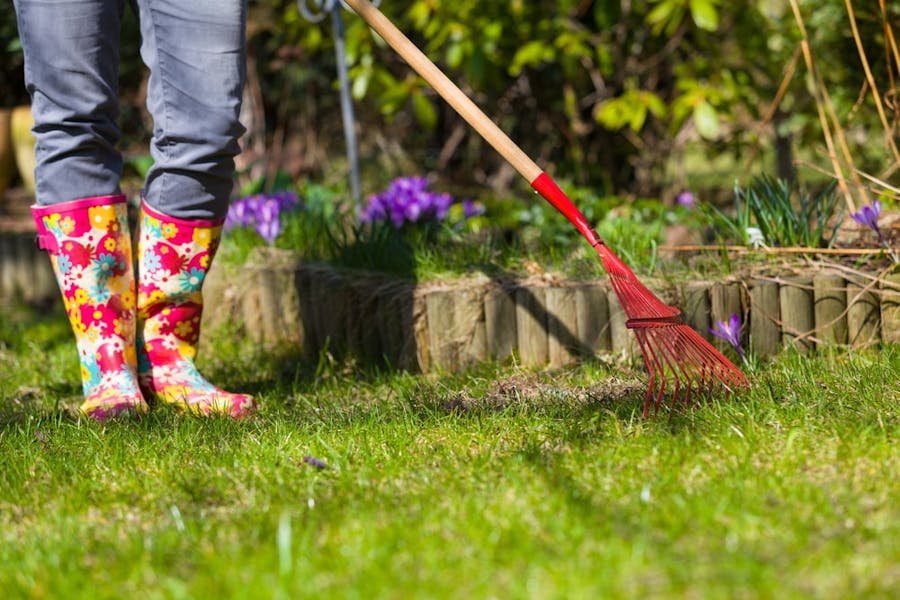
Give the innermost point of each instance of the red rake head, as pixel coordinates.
(672, 350)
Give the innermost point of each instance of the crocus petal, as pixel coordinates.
(686, 199)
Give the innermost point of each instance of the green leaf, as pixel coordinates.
(707, 120)
(454, 55)
(654, 103)
(425, 112)
(611, 114)
(663, 12)
(666, 16)
(638, 117)
(419, 13)
(705, 14)
(530, 54)
(629, 109)
(360, 85)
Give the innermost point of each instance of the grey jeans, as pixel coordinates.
(195, 51)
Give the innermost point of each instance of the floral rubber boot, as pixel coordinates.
(90, 250)
(174, 256)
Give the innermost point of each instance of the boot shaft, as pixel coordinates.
(174, 256)
(90, 249)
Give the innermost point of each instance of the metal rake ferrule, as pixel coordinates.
(652, 322)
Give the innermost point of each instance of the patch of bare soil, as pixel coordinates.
(535, 390)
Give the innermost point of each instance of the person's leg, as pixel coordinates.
(196, 54)
(71, 50)
(71, 71)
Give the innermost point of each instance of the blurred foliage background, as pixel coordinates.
(636, 98)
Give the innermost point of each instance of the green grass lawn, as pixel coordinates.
(498, 483)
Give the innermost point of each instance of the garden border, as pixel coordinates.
(277, 300)
(543, 321)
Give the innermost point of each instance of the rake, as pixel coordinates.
(672, 350)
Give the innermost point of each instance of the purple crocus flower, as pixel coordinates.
(237, 215)
(472, 209)
(262, 212)
(686, 199)
(731, 333)
(269, 230)
(441, 204)
(407, 200)
(868, 217)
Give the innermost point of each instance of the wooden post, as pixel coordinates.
(328, 311)
(468, 315)
(562, 326)
(216, 299)
(890, 308)
(697, 310)
(623, 340)
(24, 266)
(419, 324)
(294, 329)
(251, 306)
(306, 306)
(797, 313)
(365, 320)
(830, 294)
(456, 328)
(863, 313)
(765, 317)
(390, 330)
(531, 326)
(6, 258)
(45, 286)
(396, 327)
(592, 317)
(310, 281)
(442, 334)
(500, 322)
(358, 308)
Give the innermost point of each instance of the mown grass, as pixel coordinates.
(496, 483)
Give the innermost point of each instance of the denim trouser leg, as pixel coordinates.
(195, 52)
(71, 72)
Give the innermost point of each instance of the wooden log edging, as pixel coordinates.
(797, 314)
(765, 317)
(25, 271)
(315, 308)
(539, 322)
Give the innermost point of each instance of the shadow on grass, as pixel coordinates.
(280, 378)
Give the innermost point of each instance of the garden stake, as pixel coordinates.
(671, 348)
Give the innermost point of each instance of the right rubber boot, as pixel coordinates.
(90, 250)
(174, 256)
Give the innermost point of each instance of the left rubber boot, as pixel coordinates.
(90, 250)
(174, 256)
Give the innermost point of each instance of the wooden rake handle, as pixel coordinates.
(473, 115)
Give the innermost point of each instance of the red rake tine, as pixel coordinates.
(679, 348)
(667, 344)
(653, 368)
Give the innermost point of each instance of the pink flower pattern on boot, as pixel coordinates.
(174, 256)
(90, 250)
